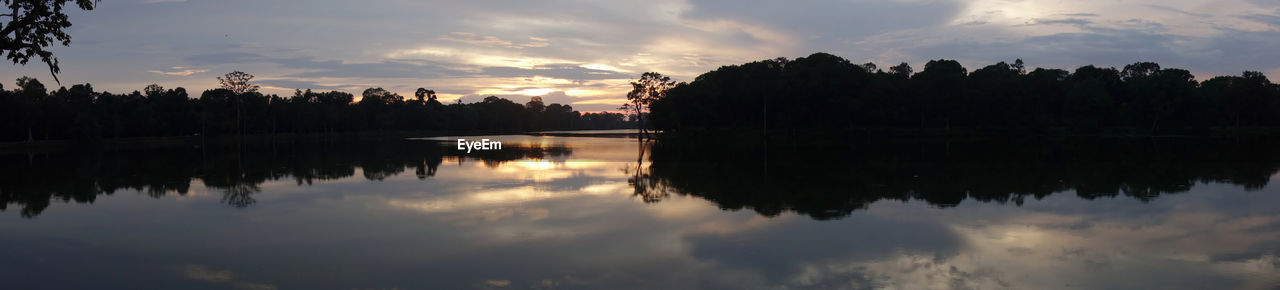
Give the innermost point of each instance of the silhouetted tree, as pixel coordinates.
(237, 83)
(31, 112)
(825, 92)
(941, 83)
(869, 67)
(903, 70)
(650, 87)
(425, 95)
(31, 26)
(820, 92)
(535, 105)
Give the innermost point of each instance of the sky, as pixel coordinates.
(584, 53)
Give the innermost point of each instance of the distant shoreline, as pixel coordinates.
(134, 143)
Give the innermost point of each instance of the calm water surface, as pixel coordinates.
(593, 212)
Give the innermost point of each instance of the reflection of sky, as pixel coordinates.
(572, 222)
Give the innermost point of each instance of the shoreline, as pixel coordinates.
(136, 143)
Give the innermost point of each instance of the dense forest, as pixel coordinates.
(824, 91)
(821, 91)
(32, 112)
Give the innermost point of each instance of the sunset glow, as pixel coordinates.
(470, 50)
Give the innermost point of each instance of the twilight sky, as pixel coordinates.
(584, 52)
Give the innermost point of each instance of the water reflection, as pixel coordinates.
(32, 181)
(828, 180)
(564, 214)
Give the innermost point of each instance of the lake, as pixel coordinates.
(601, 211)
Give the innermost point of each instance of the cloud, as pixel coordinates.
(178, 71)
(404, 68)
(1080, 14)
(564, 71)
(1178, 11)
(489, 40)
(298, 84)
(1071, 21)
(467, 46)
(829, 20)
(1268, 19)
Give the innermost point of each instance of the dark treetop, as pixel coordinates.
(29, 27)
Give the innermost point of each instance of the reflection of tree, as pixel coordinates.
(31, 181)
(495, 158)
(240, 195)
(831, 179)
(427, 168)
(649, 189)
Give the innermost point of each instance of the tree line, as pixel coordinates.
(32, 112)
(824, 91)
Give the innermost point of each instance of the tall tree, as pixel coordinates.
(31, 26)
(535, 105)
(903, 70)
(942, 81)
(424, 94)
(651, 87)
(238, 83)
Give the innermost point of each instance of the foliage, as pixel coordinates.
(650, 87)
(32, 26)
(826, 92)
(31, 112)
(237, 82)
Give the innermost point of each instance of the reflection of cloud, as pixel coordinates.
(531, 180)
(1062, 242)
(782, 250)
(484, 199)
(532, 233)
(490, 215)
(204, 273)
(1170, 243)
